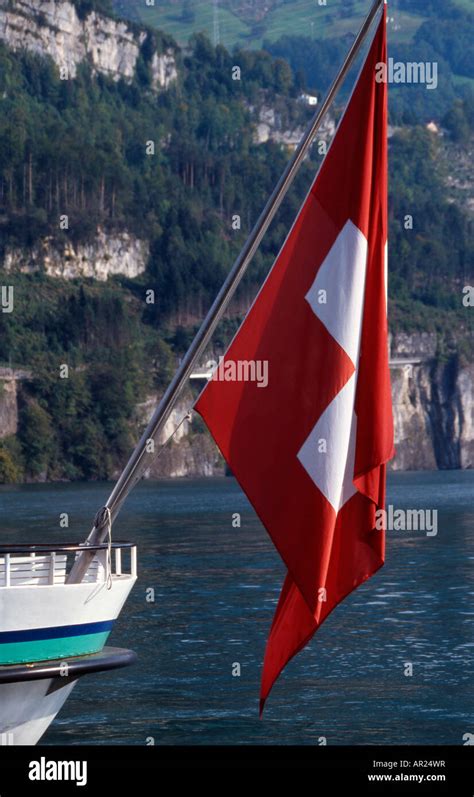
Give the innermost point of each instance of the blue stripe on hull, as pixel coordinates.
(33, 634)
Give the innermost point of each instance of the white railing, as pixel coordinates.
(47, 565)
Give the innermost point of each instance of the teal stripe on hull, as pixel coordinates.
(45, 649)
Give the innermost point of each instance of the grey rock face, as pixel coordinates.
(105, 256)
(111, 47)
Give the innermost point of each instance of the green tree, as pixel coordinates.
(37, 439)
(9, 471)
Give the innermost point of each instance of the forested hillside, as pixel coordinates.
(82, 148)
(314, 37)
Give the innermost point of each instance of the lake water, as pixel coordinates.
(215, 592)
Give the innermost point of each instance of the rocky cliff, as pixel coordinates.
(110, 46)
(190, 451)
(8, 405)
(105, 256)
(433, 406)
(271, 126)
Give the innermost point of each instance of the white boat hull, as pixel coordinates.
(55, 621)
(52, 632)
(31, 695)
(27, 709)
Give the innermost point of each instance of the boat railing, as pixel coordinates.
(48, 564)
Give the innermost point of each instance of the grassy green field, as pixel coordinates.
(170, 18)
(461, 80)
(293, 17)
(468, 5)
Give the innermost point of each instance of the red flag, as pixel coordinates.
(309, 448)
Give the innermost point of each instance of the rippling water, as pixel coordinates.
(215, 592)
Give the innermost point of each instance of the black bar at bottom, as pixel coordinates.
(374, 770)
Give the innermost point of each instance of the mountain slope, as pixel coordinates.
(97, 161)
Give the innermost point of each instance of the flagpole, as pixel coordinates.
(141, 459)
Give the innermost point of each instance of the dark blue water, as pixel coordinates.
(215, 592)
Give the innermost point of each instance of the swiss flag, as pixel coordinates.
(310, 448)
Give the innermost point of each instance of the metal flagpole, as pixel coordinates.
(141, 458)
